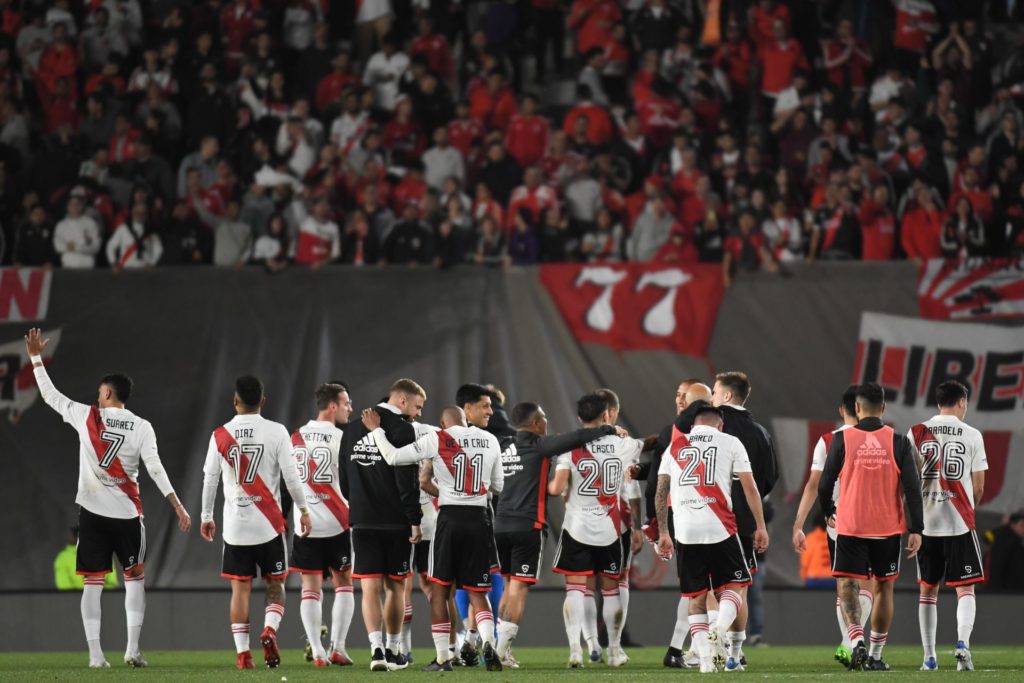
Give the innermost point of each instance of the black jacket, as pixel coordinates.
(1005, 561)
(526, 464)
(764, 463)
(684, 423)
(379, 496)
(905, 461)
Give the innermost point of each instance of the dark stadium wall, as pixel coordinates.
(185, 335)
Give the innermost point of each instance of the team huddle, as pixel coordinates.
(382, 496)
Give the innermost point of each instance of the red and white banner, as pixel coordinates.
(638, 306)
(18, 390)
(971, 289)
(24, 294)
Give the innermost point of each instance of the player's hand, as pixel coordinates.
(34, 342)
(664, 544)
(621, 432)
(913, 544)
(631, 472)
(208, 530)
(305, 524)
(761, 540)
(636, 542)
(799, 540)
(184, 519)
(831, 521)
(416, 536)
(371, 420)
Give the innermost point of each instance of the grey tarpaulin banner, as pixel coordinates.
(185, 334)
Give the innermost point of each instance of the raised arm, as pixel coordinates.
(74, 413)
(155, 468)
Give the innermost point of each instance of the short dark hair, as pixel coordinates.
(341, 383)
(326, 393)
(709, 410)
(849, 400)
(470, 393)
(524, 413)
(249, 390)
(871, 395)
(120, 384)
(950, 392)
(737, 382)
(590, 406)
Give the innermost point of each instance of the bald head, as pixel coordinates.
(698, 392)
(452, 416)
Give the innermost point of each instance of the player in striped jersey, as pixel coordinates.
(250, 455)
(951, 455)
(315, 446)
(847, 411)
(113, 441)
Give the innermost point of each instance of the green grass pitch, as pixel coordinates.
(994, 663)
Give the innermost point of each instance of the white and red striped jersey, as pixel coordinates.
(948, 451)
(467, 462)
(700, 467)
(630, 490)
(315, 446)
(317, 241)
(592, 512)
(818, 465)
(112, 442)
(428, 503)
(250, 455)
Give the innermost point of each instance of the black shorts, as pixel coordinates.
(573, 558)
(519, 554)
(317, 555)
(241, 561)
(748, 552)
(377, 553)
(421, 556)
(460, 553)
(712, 565)
(100, 538)
(953, 559)
(867, 558)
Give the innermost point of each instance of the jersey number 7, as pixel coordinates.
(114, 443)
(235, 455)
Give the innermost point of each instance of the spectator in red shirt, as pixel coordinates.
(60, 107)
(331, 87)
(980, 199)
(921, 229)
(492, 102)
(679, 248)
(59, 60)
(599, 124)
(847, 61)
(532, 196)
(593, 21)
(746, 249)
(435, 48)
(237, 27)
(780, 60)
(762, 18)
(123, 141)
(526, 137)
(463, 130)
(916, 20)
(878, 226)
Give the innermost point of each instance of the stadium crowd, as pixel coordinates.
(744, 132)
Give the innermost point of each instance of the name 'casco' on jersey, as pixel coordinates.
(948, 452)
(251, 454)
(592, 513)
(316, 446)
(700, 466)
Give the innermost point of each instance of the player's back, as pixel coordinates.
(467, 465)
(595, 479)
(700, 466)
(113, 443)
(376, 490)
(316, 447)
(247, 453)
(948, 451)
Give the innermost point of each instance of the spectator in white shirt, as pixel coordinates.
(133, 245)
(300, 16)
(886, 87)
(442, 161)
(383, 73)
(294, 142)
(77, 238)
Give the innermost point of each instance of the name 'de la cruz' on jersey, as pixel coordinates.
(467, 462)
(251, 454)
(700, 467)
(112, 442)
(316, 447)
(948, 452)
(592, 512)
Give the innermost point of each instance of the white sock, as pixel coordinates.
(699, 634)
(394, 642)
(472, 636)
(624, 599)
(91, 616)
(728, 607)
(134, 609)
(507, 632)
(856, 634)
(867, 601)
(376, 641)
(612, 613)
(682, 624)
(441, 633)
(341, 616)
(240, 632)
(274, 613)
(877, 643)
(842, 621)
(485, 626)
(311, 612)
(590, 621)
(966, 608)
(736, 639)
(928, 617)
(407, 629)
(572, 614)
(713, 617)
